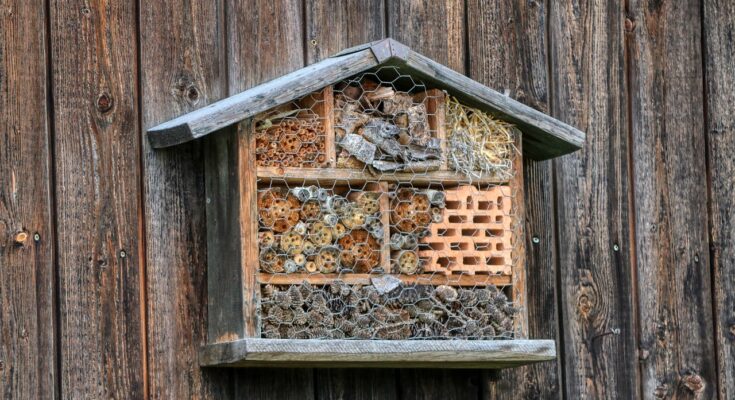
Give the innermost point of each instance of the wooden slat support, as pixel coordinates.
(322, 104)
(518, 213)
(364, 279)
(378, 353)
(327, 176)
(435, 101)
(231, 234)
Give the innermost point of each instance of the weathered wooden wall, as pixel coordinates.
(102, 247)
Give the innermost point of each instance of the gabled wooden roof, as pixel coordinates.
(543, 136)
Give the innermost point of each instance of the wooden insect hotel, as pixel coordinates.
(367, 210)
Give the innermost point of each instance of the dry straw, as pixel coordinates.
(478, 144)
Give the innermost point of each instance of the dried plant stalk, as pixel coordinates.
(477, 143)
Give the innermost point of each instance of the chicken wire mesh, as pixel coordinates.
(410, 234)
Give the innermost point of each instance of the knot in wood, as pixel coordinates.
(104, 102)
(693, 383)
(661, 391)
(192, 94)
(20, 238)
(629, 25)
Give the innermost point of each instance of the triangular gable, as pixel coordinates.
(544, 137)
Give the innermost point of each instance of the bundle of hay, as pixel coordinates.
(478, 144)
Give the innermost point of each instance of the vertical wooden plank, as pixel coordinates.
(439, 384)
(232, 248)
(508, 52)
(322, 104)
(435, 29)
(355, 384)
(719, 63)
(332, 26)
(588, 87)
(182, 69)
(97, 149)
(27, 349)
(518, 294)
(677, 340)
(265, 40)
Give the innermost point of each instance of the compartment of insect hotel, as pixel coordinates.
(385, 211)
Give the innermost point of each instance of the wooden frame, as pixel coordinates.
(232, 180)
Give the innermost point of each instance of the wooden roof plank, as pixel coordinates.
(271, 94)
(544, 136)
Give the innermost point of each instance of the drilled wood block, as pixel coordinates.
(475, 234)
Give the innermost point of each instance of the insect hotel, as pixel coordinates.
(367, 210)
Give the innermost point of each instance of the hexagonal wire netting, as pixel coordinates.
(404, 237)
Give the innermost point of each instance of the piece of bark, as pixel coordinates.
(381, 93)
(385, 166)
(400, 103)
(415, 152)
(377, 127)
(418, 124)
(358, 147)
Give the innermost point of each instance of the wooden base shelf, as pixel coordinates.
(358, 177)
(364, 279)
(489, 354)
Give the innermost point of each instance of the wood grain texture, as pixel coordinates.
(265, 41)
(377, 353)
(27, 346)
(231, 234)
(435, 29)
(97, 158)
(508, 53)
(719, 63)
(182, 68)
(588, 88)
(335, 25)
(677, 344)
(356, 384)
(331, 26)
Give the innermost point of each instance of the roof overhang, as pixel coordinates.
(543, 136)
